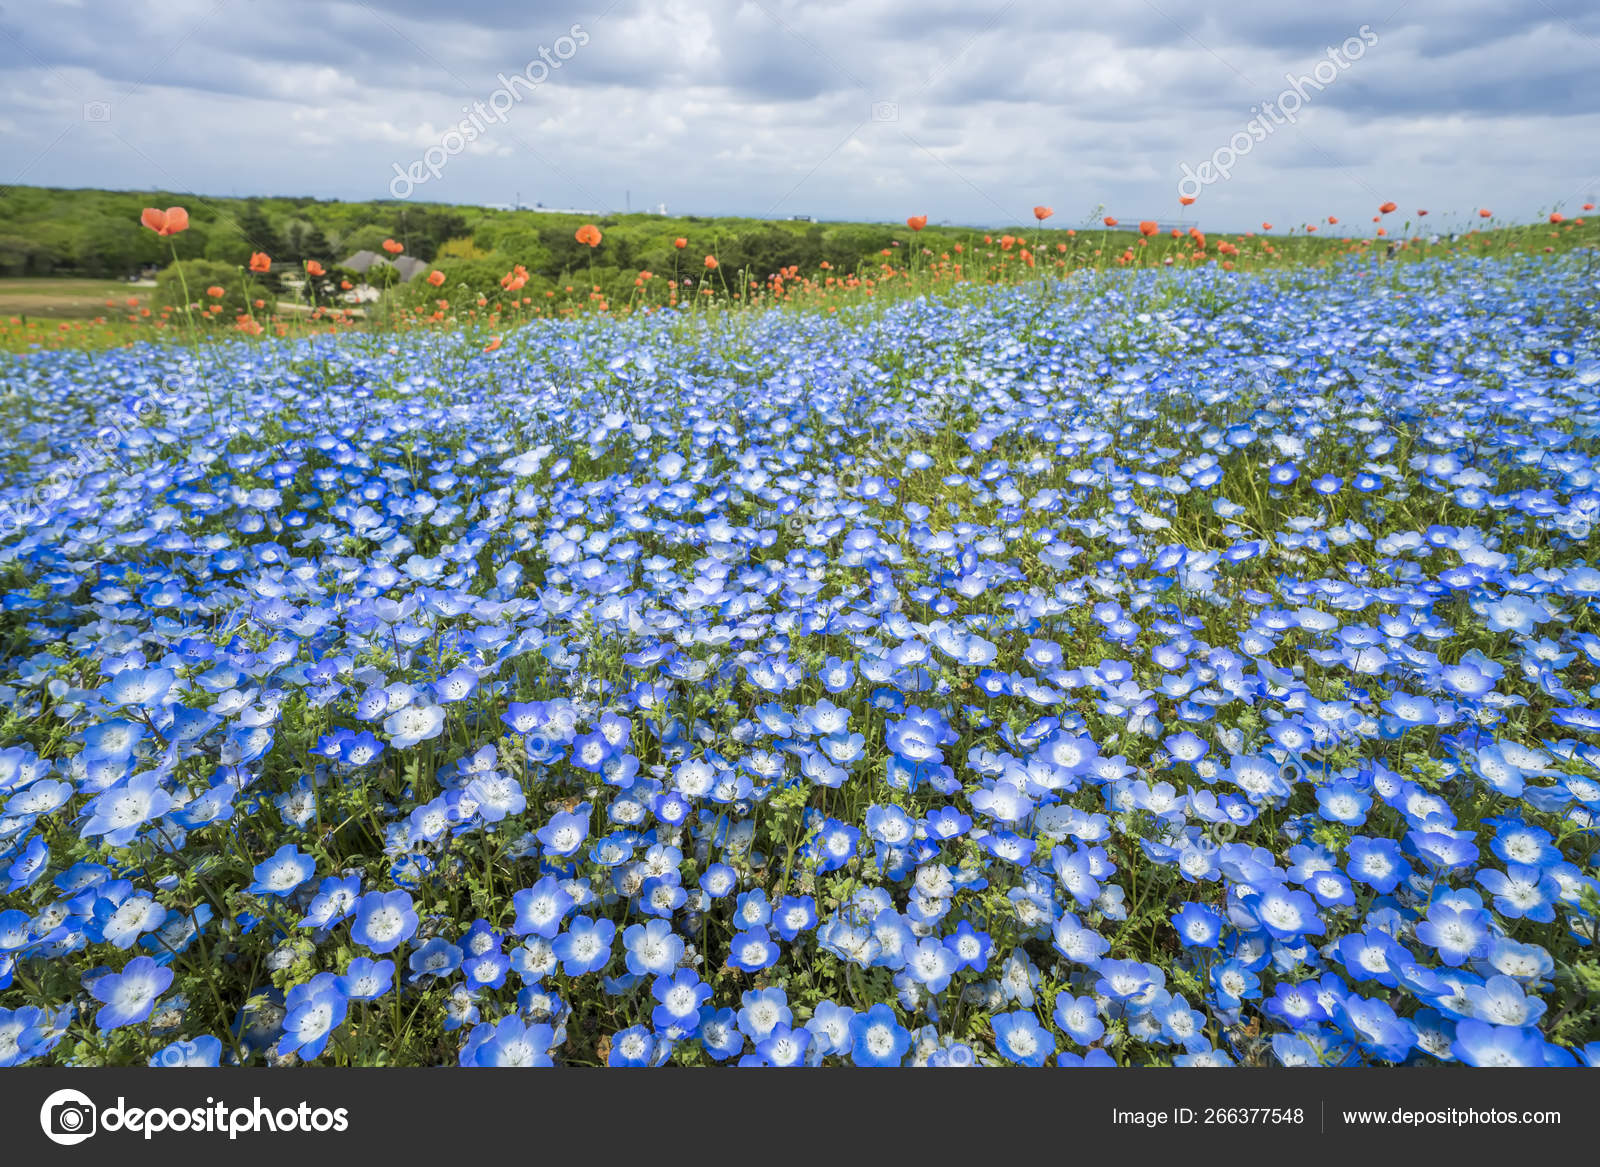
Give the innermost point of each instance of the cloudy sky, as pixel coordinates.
(866, 109)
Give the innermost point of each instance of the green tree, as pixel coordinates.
(253, 226)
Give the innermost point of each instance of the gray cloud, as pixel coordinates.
(767, 106)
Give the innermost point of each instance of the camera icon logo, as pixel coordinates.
(885, 111)
(97, 111)
(68, 1117)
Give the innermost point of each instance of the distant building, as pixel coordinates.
(540, 208)
(407, 266)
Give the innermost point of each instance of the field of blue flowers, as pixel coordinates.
(1182, 669)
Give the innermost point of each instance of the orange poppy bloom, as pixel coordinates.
(215, 292)
(711, 261)
(345, 285)
(1266, 226)
(1386, 208)
(589, 234)
(392, 247)
(167, 222)
(1422, 212)
(436, 278)
(1483, 213)
(917, 222)
(1331, 219)
(1588, 206)
(260, 261)
(313, 268)
(1556, 216)
(680, 243)
(1148, 227)
(494, 343)
(1110, 222)
(1042, 213)
(1185, 200)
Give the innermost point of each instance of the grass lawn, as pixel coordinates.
(66, 298)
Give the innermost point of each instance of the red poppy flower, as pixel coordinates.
(167, 222)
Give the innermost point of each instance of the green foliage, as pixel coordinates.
(200, 274)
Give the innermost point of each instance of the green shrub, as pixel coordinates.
(201, 274)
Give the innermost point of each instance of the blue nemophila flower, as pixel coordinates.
(335, 900)
(653, 949)
(425, 579)
(794, 915)
(1522, 891)
(1480, 1043)
(1020, 1038)
(384, 921)
(972, 949)
(877, 1038)
(1285, 913)
(762, 1012)
(282, 873)
(632, 1047)
(1376, 863)
(122, 810)
(541, 908)
(511, 1042)
(128, 996)
(752, 950)
(784, 1047)
(436, 957)
(1455, 933)
(1197, 925)
(367, 980)
(679, 998)
(314, 1011)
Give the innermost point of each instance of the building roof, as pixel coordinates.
(363, 261)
